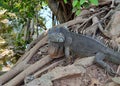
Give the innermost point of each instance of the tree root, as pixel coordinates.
(88, 20)
(37, 74)
(31, 69)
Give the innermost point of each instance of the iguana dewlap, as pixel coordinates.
(54, 50)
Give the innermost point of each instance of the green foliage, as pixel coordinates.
(78, 12)
(75, 2)
(82, 2)
(79, 4)
(13, 32)
(23, 8)
(65, 1)
(95, 2)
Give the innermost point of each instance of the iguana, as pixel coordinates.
(84, 46)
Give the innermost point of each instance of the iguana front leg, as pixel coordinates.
(67, 45)
(67, 55)
(99, 59)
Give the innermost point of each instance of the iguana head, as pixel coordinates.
(54, 35)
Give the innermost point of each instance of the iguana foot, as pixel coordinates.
(110, 70)
(69, 60)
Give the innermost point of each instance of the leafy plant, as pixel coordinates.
(13, 22)
(65, 1)
(79, 4)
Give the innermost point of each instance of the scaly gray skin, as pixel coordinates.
(84, 46)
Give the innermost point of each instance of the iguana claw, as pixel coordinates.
(110, 70)
(68, 61)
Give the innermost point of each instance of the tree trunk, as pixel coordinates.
(62, 11)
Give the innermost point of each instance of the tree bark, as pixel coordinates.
(62, 11)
